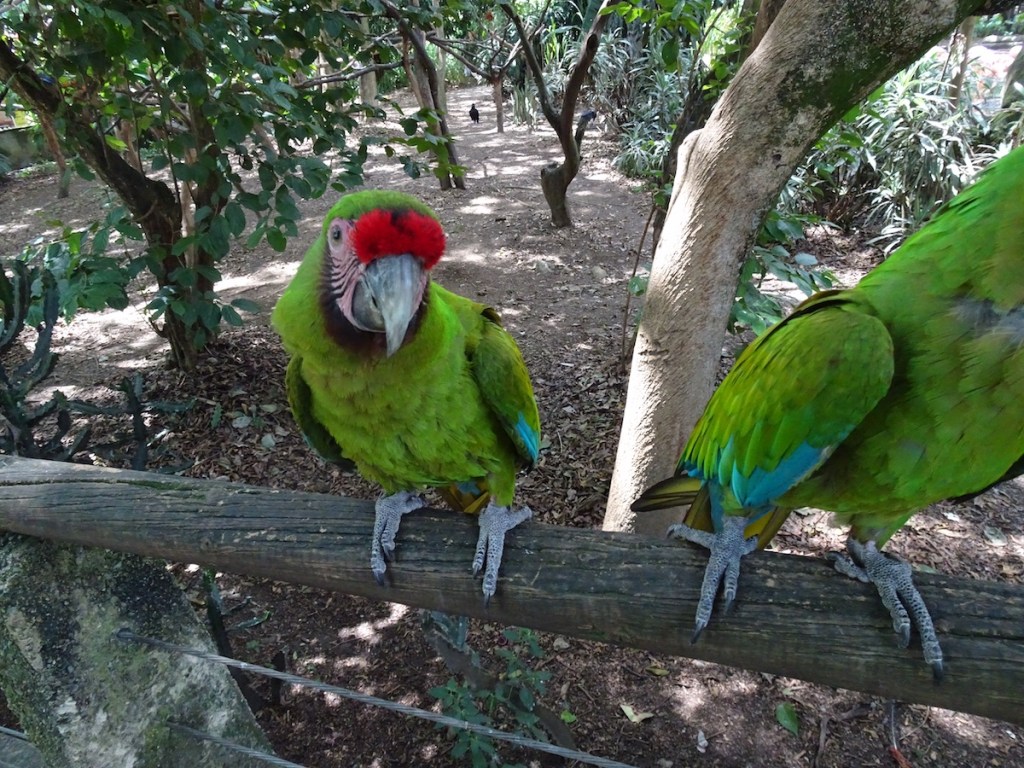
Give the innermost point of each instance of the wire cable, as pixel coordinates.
(128, 636)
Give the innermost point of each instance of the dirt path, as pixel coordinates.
(562, 294)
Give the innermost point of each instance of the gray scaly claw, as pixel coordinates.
(894, 581)
(495, 522)
(727, 547)
(389, 511)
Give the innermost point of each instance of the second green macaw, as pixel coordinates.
(872, 402)
(415, 385)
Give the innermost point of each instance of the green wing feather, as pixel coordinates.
(780, 414)
(504, 382)
(782, 399)
(300, 397)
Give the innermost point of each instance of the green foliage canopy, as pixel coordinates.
(207, 119)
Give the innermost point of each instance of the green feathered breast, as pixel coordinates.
(877, 401)
(453, 406)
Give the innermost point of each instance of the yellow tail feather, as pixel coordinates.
(470, 503)
(674, 492)
(686, 491)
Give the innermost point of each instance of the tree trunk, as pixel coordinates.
(766, 13)
(424, 82)
(205, 194)
(53, 144)
(700, 100)
(152, 204)
(1014, 77)
(442, 64)
(499, 100)
(818, 58)
(125, 131)
(555, 179)
(368, 80)
(696, 111)
(184, 355)
(86, 699)
(961, 43)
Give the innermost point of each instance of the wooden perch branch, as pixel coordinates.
(794, 616)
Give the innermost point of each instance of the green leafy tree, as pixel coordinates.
(208, 120)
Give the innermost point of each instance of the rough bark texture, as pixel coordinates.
(53, 144)
(87, 699)
(368, 80)
(1014, 76)
(961, 44)
(499, 102)
(817, 59)
(767, 10)
(794, 615)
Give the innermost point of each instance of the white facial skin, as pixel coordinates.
(381, 297)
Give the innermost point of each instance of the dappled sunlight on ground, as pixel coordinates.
(483, 205)
(266, 280)
(97, 346)
(369, 631)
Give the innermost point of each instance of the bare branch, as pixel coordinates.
(340, 77)
(536, 70)
(446, 45)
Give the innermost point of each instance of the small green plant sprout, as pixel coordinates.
(509, 700)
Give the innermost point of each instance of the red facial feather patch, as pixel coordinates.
(381, 232)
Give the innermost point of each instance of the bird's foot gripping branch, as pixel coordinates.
(872, 402)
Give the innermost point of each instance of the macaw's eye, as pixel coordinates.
(337, 235)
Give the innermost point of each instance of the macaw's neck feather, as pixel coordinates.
(384, 232)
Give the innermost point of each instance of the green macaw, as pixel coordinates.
(872, 402)
(416, 386)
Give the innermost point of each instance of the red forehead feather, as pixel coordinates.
(382, 232)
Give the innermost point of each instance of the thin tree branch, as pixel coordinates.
(447, 47)
(579, 72)
(341, 77)
(536, 70)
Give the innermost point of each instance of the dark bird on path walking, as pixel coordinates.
(474, 113)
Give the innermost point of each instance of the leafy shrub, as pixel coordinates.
(892, 161)
(998, 24)
(661, 56)
(773, 255)
(515, 695)
(647, 132)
